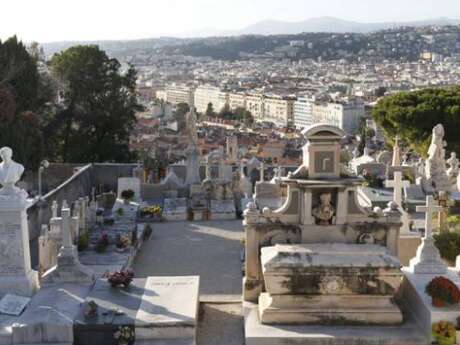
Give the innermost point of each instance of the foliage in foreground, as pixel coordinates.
(412, 116)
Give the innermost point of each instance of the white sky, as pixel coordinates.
(56, 20)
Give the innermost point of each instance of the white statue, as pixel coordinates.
(453, 162)
(435, 167)
(10, 172)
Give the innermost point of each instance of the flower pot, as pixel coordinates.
(126, 201)
(446, 341)
(437, 302)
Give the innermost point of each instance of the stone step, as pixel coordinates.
(185, 341)
(220, 299)
(259, 334)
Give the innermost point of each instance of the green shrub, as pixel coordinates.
(83, 241)
(127, 194)
(448, 243)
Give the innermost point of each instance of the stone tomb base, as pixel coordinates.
(419, 303)
(160, 310)
(328, 309)
(257, 333)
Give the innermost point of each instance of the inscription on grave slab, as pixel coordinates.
(11, 250)
(13, 305)
(169, 300)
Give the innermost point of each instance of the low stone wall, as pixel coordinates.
(78, 185)
(106, 175)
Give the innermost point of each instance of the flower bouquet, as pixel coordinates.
(443, 292)
(121, 278)
(125, 335)
(443, 333)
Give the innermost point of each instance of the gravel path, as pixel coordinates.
(208, 249)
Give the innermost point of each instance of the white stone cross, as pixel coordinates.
(429, 210)
(208, 169)
(54, 209)
(397, 184)
(66, 235)
(262, 172)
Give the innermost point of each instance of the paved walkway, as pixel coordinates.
(211, 250)
(208, 249)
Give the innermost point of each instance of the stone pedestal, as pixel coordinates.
(16, 274)
(428, 260)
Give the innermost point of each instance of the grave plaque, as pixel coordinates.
(13, 305)
(11, 252)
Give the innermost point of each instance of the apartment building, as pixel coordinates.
(278, 109)
(205, 94)
(176, 94)
(345, 115)
(237, 100)
(255, 104)
(303, 111)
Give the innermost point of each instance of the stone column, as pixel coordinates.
(307, 206)
(16, 274)
(342, 207)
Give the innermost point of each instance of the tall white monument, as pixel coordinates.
(16, 274)
(192, 152)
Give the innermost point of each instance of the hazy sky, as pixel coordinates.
(53, 20)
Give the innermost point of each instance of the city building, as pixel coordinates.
(237, 100)
(303, 111)
(205, 94)
(176, 94)
(278, 110)
(255, 104)
(345, 114)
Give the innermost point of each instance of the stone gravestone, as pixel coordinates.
(223, 209)
(133, 183)
(175, 209)
(68, 268)
(16, 274)
(13, 305)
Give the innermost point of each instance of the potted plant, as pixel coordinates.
(122, 242)
(127, 195)
(102, 243)
(125, 335)
(121, 278)
(443, 292)
(443, 332)
(457, 330)
(151, 212)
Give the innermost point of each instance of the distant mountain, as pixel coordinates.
(330, 24)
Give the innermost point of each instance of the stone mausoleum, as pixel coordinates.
(321, 259)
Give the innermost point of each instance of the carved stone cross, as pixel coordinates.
(397, 184)
(429, 210)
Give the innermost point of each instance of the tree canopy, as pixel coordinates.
(99, 106)
(23, 101)
(412, 116)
